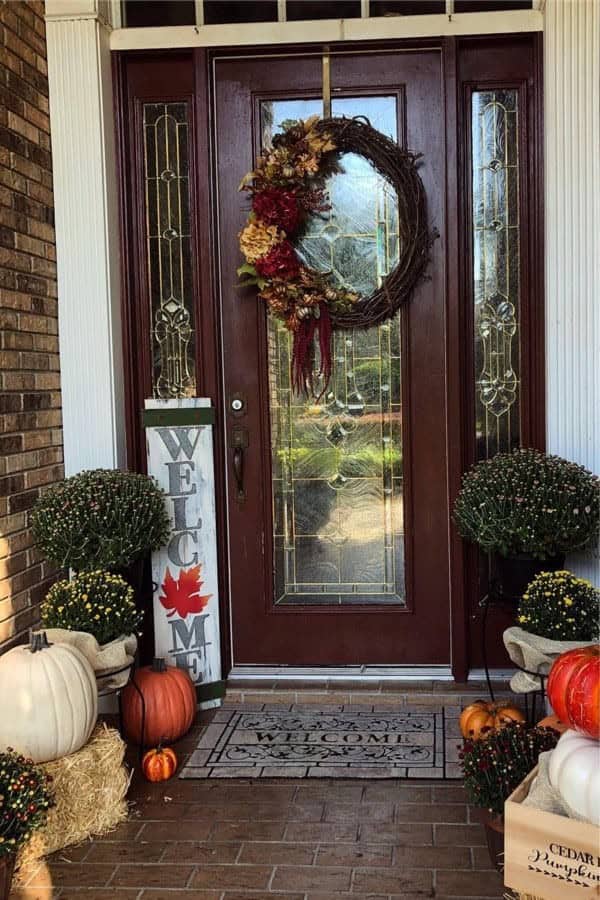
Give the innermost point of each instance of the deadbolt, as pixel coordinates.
(237, 404)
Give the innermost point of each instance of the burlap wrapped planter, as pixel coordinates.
(111, 662)
(534, 653)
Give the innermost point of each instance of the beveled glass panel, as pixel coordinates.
(168, 241)
(495, 179)
(338, 509)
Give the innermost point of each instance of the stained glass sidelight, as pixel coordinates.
(496, 269)
(169, 248)
(337, 462)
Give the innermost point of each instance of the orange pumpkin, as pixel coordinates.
(489, 716)
(574, 689)
(159, 764)
(169, 698)
(553, 722)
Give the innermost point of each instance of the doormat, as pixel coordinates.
(321, 743)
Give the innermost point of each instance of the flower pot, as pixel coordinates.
(7, 866)
(514, 573)
(111, 662)
(494, 833)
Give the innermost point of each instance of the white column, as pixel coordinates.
(87, 232)
(572, 178)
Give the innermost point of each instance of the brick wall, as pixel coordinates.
(30, 415)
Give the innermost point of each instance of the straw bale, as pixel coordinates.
(89, 789)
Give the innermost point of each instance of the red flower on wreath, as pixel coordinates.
(277, 207)
(280, 262)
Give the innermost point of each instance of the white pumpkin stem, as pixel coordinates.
(39, 641)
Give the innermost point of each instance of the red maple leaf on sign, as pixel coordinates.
(183, 596)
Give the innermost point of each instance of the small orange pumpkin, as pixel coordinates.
(553, 722)
(159, 764)
(480, 718)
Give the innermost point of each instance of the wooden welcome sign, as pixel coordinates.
(179, 444)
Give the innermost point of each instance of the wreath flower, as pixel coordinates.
(287, 187)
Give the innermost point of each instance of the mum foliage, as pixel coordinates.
(100, 519)
(99, 603)
(496, 764)
(526, 502)
(25, 799)
(560, 606)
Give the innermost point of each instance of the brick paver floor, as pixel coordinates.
(279, 840)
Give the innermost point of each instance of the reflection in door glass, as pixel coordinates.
(338, 509)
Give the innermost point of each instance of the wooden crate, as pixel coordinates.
(549, 856)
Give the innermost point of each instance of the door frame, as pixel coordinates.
(458, 78)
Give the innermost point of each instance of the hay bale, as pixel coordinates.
(89, 790)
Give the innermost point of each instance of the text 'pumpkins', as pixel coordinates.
(161, 700)
(480, 718)
(48, 699)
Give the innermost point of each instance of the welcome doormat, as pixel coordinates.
(321, 743)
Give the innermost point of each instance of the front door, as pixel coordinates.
(337, 508)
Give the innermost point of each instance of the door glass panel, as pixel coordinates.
(338, 509)
(496, 277)
(168, 240)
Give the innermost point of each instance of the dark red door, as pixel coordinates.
(339, 545)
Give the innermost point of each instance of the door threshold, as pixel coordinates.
(342, 673)
(366, 674)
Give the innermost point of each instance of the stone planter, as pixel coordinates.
(111, 662)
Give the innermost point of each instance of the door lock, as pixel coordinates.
(237, 405)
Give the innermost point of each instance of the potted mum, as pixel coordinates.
(529, 510)
(24, 802)
(101, 519)
(558, 612)
(494, 766)
(96, 613)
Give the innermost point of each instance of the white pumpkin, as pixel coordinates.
(574, 772)
(48, 699)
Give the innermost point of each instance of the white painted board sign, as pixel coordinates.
(184, 572)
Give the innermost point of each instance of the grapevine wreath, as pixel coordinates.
(288, 186)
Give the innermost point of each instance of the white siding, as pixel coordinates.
(87, 241)
(572, 178)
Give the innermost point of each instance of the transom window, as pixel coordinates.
(152, 13)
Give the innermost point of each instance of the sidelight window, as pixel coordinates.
(496, 269)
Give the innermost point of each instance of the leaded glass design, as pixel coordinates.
(166, 172)
(337, 463)
(496, 269)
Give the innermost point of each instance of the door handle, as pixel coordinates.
(238, 471)
(240, 441)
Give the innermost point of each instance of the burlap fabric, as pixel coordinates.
(534, 653)
(111, 662)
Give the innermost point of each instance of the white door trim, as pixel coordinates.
(326, 30)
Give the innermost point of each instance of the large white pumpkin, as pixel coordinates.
(48, 700)
(574, 772)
